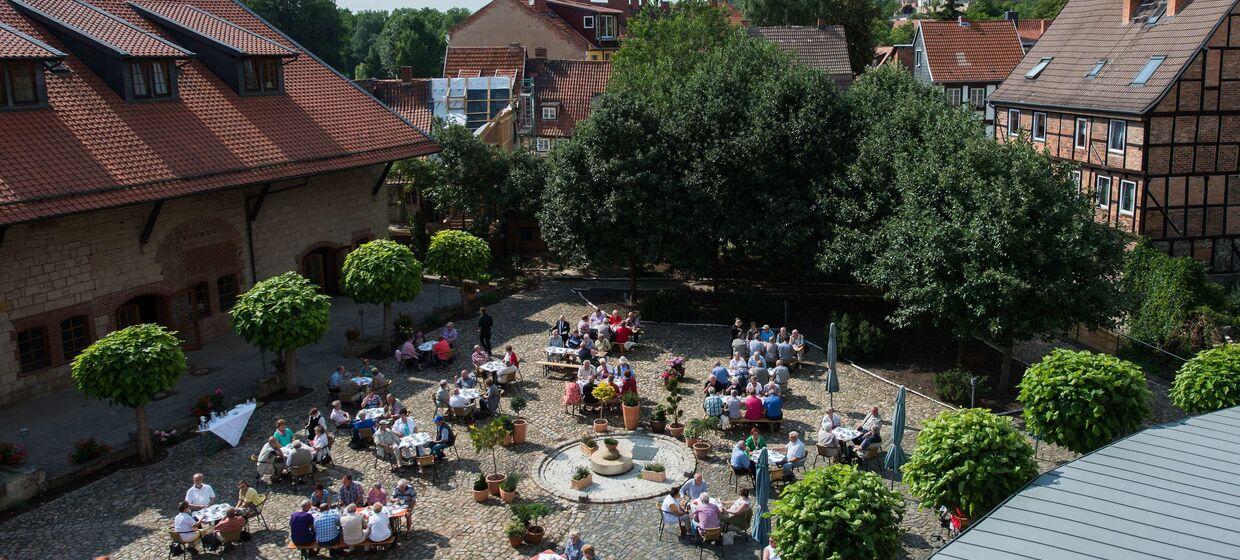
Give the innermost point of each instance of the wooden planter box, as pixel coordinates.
(581, 484)
(654, 476)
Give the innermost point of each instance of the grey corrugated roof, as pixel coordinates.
(1171, 491)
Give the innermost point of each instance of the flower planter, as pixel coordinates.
(481, 496)
(584, 482)
(507, 497)
(493, 481)
(588, 451)
(689, 440)
(516, 541)
(676, 430)
(519, 427)
(600, 425)
(534, 534)
(654, 476)
(612, 448)
(657, 426)
(632, 416)
(702, 450)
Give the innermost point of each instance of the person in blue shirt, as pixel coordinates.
(327, 528)
(740, 458)
(362, 423)
(713, 405)
(442, 439)
(766, 334)
(333, 382)
(572, 547)
(720, 374)
(574, 340)
(774, 406)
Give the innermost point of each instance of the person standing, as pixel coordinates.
(484, 329)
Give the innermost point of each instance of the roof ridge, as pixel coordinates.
(194, 8)
(92, 36)
(27, 37)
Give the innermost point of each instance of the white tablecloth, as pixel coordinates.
(772, 456)
(212, 513)
(553, 350)
(417, 440)
(471, 394)
(426, 346)
(845, 433)
(374, 413)
(363, 381)
(232, 425)
(494, 366)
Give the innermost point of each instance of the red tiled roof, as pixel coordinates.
(823, 48)
(572, 83)
(121, 35)
(584, 6)
(411, 99)
(472, 62)
(220, 30)
(91, 150)
(553, 22)
(15, 44)
(981, 51)
(1032, 29)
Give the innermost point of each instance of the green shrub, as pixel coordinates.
(969, 459)
(1082, 400)
(490, 298)
(1210, 381)
(838, 512)
(1173, 303)
(403, 324)
(668, 306)
(858, 338)
(953, 386)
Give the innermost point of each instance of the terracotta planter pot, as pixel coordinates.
(519, 427)
(507, 441)
(534, 534)
(507, 497)
(689, 441)
(676, 430)
(612, 447)
(600, 425)
(516, 541)
(632, 416)
(702, 449)
(481, 496)
(493, 481)
(581, 484)
(654, 476)
(588, 451)
(657, 426)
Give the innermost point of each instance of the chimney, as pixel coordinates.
(1012, 16)
(406, 74)
(1176, 6)
(540, 52)
(1130, 8)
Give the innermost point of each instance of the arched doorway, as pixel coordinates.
(146, 308)
(321, 267)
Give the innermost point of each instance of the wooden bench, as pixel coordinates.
(308, 550)
(563, 367)
(743, 422)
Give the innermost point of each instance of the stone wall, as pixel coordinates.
(89, 265)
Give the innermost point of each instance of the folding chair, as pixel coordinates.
(707, 536)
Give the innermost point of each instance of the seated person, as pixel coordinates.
(350, 391)
(602, 331)
(442, 395)
(327, 528)
(733, 405)
(362, 423)
(585, 354)
(771, 387)
(586, 371)
(248, 499)
(458, 402)
(587, 393)
(200, 494)
(450, 334)
(271, 459)
(757, 360)
(479, 356)
(408, 354)
(774, 405)
(673, 513)
(720, 376)
(442, 439)
(740, 345)
(378, 382)
(870, 428)
(785, 351)
(574, 340)
(753, 406)
(554, 340)
(232, 522)
(693, 487)
(572, 547)
(377, 496)
(283, 433)
(797, 340)
(314, 419)
(338, 416)
(602, 346)
(442, 351)
(300, 457)
(705, 515)
(766, 333)
(615, 319)
(405, 494)
(826, 430)
(301, 524)
(511, 364)
(740, 460)
(760, 374)
(734, 515)
(405, 425)
(379, 525)
(771, 351)
(186, 527)
(753, 387)
(353, 526)
(393, 406)
(333, 382)
(755, 346)
(737, 362)
(320, 497)
(755, 441)
(466, 380)
(623, 337)
(387, 442)
(372, 400)
(780, 373)
(713, 405)
(794, 455)
(351, 493)
(492, 394)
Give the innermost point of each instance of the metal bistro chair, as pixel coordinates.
(736, 475)
(427, 463)
(830, 453)
(233, 537)
(186, 546)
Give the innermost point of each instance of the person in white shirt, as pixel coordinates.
(353, 526)
(732, 403)
(673, 513)
(457, 401)
(405, 426)
(379, 526)
(200, 494)
(441, 396)
(586, 371)
(394, 406)
(271, 459)
(300, 456)
(826, 431)
(321, 444)
(186, 527)
(794, 455)
(338, 417)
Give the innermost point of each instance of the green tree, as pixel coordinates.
(857, 17)
(947, 10)
(129, 367)
(1210, 381)
(315, 24)
(487, 436)
(969, 459)
(382, 272)
(281, 314)
(458, 256)
(1171, 302)
(364, 28)
(414, 38)
(1082, 400)
(838, 512)
(1039, 9)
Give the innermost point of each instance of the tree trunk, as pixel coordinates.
(387, 328)
(145, 450)
(464, 297)
(290, 371)
(633, 281)
(960, 349)
(1005, 370)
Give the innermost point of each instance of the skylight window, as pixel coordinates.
(1151, 66)
(1093, 72)
(1037, 68)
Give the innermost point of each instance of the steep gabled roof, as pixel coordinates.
(472, 62)
(108, 31)
(1089, 31)
(17, 45)
(571, 83)
(972, 51)
(89, 149)
(1030, 30)
(411, 100)
(233, 37)
(823, 48)
(549, 18)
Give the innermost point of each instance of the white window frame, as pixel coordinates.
(917, 59)
(1102, 202)
(605, 23)
(1076, 133)
(1033, 129)
(1123, 141)
(1014, 130)
(550, 113)
(955, 96)
(587, 22)
(542, 145)
(1125, 184)
(979, 93)
(1076, 176)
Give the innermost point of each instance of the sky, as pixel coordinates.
(389, 5)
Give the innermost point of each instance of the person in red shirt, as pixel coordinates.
(753, 407)
(443, 351)
(615, 318)
(623, 337)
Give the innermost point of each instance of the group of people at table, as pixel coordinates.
(692, 508)
(594, 336)
(356, 517)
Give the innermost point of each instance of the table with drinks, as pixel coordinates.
(228, 425)
(394, 510)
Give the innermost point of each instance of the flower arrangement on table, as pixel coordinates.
(12, 455)
(208, 403)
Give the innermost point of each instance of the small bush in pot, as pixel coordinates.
(528, 515)
(508, 488)
(654, 472)
(581, 478)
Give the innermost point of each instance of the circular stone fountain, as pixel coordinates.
(618, 480)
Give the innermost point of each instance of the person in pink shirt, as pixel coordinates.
(753, 407)
(376, 495)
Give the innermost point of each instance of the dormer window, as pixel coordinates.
(607, 27)
(587, 22)
(549, 113)
(262, 76)
(151, 79)
(20, 85)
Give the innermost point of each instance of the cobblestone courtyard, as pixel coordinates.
(125, 513)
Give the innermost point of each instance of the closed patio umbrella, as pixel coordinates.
(895, 456)
(760, 527)
(833, 379)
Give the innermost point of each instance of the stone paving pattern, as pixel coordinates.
(125, 514)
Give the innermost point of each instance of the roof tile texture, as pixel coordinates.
(572, 83)
(981, 51)
(15, 44)
(411, 99)
(108, 28)
(466, 62)
(823, 48)
(221, 30)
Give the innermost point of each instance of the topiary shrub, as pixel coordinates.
(1082, 400)
(382, 272)
(953, 386)
(969, 459)
(1210, 381)
(458, 256)
(281, 314)
(858, 338)
(838, 512)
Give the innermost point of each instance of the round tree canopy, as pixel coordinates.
(130, 366)
(382, 271)
(1210, 381)
(838, 512)
(458, 255)
(281, 313)
(1082, 400)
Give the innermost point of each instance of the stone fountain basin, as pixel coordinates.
(622, 464)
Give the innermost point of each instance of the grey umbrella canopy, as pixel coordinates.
(833, 379)
(760, 527)
(895, 456)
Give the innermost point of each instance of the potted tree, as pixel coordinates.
(528, 515)
(508, 427)
(588, 445)
(605, 393)
(486, 437)
(458, 256)
(508, 488)
(701, 449)
(382, 272)
(673, 408)
(481, 492)
(654, 472)
(515, 532)
(658, 419)
(582, 478)
(694, 430)
(281, 314)
(630, 407)
(519, 424)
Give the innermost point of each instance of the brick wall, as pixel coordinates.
(506, 22)
(91, 264)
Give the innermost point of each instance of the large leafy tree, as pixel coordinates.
(315, 24)
(969, 459)
(415, 38)
(129, 367)
(458, 256)
(1210, 381)
(1082, 400)
(382, 272)
(838, 512)
(480, 180)
(364, 28)
(281, 314)
(857, 17)
(1170, 301)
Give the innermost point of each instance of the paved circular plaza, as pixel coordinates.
(554, 473)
